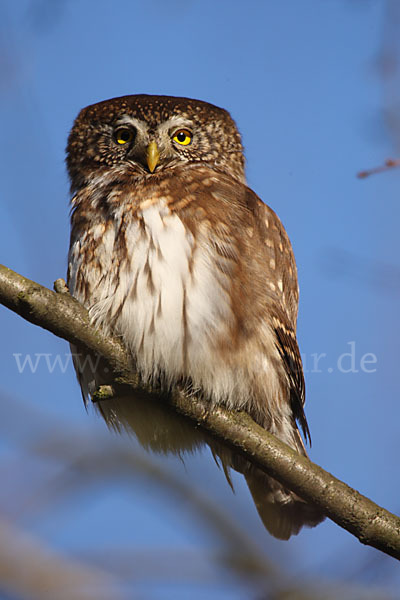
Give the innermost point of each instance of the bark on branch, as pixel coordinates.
(65, 317)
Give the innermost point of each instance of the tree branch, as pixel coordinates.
(65, 317)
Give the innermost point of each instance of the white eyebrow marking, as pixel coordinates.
(128, 120)
(174, 123)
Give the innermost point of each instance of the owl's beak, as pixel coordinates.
(152, 156)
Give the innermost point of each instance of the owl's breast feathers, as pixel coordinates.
(198, 277)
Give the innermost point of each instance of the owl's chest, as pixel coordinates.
(156, 285)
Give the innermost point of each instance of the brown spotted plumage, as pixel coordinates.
(172, 251)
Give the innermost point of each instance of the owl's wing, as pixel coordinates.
(285, 292)
(288, 349)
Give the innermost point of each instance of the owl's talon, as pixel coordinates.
(103, 392)
(60, 286)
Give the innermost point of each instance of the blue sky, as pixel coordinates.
(301, 80)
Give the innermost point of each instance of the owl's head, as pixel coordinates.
(145, 135)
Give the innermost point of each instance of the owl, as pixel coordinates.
(172, 252)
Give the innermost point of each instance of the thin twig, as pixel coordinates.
(390, 163)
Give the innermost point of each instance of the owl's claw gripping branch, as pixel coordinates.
(66, 318)
(60, 286)
(103, 392)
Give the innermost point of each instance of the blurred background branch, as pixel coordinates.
(29, 569)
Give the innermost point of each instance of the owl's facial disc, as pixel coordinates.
(153, 147)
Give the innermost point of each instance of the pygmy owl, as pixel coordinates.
(173, 253)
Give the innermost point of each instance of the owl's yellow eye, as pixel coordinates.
(123, 135)
(182, 137)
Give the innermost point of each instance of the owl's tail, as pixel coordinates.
(282, 512)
